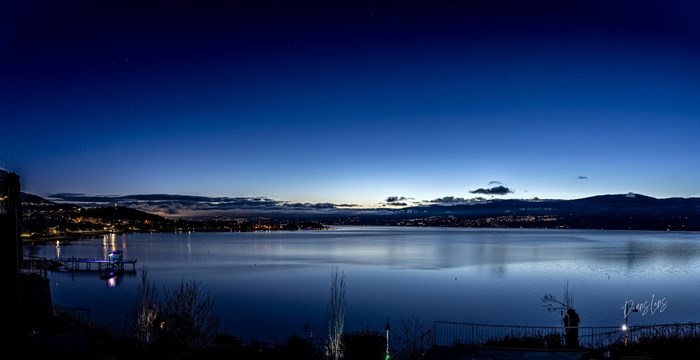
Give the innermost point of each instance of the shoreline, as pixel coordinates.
(90, 235)
(72, 237)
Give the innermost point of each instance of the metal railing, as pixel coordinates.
(34, 265)
(443, 333)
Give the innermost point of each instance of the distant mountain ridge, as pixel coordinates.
(28, 199)
(633, 203)
(617, 211)
(623, 211)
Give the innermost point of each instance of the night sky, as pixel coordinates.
(351, 102)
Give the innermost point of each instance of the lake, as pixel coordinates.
(268, 285)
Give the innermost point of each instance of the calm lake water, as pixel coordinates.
(268, 285)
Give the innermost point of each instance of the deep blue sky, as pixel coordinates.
(351, 102)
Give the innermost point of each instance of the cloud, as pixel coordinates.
(497, 190)
(449, 200)
(397, 204)
(582, 177)
(453, 200)
(495, 182)
(80, 198)
(348, 206)
(396, 201)
(299, 206)
(188, 205)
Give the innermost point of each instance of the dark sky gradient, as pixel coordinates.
(349, 101)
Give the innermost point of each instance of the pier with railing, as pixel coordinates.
(90, 264)
(113, 263)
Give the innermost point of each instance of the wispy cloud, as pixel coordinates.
(582, 177)
(497, 190)
(449, 200)
(495, 182)
(453, 200)
(189, 205)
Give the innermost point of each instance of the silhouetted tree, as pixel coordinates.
(571, 320)
(186, 318)
(366, 344)
(297, 347)
(146, 310)
(336, 313)
(408, 337)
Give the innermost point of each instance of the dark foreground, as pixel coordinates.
(680, 350)
(93, 343)
(453, 353)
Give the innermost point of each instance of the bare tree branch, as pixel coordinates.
(551, 303)
(146, 310)
(188, 316)
(336, 313)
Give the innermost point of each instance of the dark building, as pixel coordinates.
(10, 254)
(28, 308)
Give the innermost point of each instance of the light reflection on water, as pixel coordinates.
(275, 283)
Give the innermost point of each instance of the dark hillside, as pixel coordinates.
(114, 213)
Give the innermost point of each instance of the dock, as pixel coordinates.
(114, 264)
(86, 264)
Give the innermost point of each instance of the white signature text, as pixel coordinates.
(646, 307)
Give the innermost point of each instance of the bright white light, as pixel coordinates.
(624, 327)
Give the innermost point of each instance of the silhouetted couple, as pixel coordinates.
(571, 321)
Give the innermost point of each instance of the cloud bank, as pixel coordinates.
(190, 206)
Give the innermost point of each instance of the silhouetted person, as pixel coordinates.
(571, 321)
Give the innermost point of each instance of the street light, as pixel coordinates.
(628, 308)
(387, 328)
